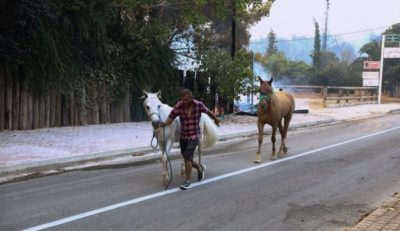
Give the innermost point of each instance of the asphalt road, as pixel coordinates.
(331, 177)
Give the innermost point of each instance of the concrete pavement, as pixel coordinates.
(24, 154)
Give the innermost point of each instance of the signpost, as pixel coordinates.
(390, 52)
(393, 38)
(372, 64)
(370, 79)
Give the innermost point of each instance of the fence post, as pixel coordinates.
(324, 91)
(340, 93)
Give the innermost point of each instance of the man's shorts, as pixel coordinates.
(187, 148)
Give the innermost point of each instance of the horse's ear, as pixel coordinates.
(270, 81)
(144, 94)
(159, 94)
(261, 80)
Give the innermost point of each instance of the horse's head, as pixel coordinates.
(266, 91)
(152, 106)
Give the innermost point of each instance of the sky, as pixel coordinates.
(290, 18)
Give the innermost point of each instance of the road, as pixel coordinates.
(331, 176)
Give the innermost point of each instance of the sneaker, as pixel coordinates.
(185, 185)
(201, 175)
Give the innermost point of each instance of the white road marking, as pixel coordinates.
(174, 190)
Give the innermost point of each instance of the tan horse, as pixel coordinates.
(272, 109)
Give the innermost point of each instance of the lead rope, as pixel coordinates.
(154, 132)
(151, 142)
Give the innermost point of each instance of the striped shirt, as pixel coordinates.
(190, 128)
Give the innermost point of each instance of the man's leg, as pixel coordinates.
(188, 154)
(188, 169)
(187, 149)
(200, 170)
(196, 166)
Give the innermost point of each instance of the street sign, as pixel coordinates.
(393, 37)
(370, 82)
(391, 52)
(372, 64)
(370, 78)
(370, 74)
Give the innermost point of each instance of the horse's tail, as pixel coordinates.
(209, 133)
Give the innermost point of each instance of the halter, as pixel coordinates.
(267, 97)
(154, 113)
(154, 133)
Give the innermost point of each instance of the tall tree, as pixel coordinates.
(316, 54)
(272, 47)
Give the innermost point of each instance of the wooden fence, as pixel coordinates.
(345, 96)
(21, 107)
(336, 96)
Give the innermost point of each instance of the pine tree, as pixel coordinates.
(316, 53)
(272, 47)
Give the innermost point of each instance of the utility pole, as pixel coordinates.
(233, 32)
(324, 44)
(381, 69)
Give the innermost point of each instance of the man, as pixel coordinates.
(189, 111)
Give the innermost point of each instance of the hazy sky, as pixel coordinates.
(295, 17)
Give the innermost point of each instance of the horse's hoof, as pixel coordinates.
(273, 157)
(165, 182)
(257, 161)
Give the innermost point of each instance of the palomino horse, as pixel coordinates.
(272, 108)
(158, 111)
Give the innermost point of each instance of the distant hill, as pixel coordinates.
(300, 48)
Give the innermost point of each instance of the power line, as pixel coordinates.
(332, 35)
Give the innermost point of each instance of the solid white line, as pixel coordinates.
(174, 190)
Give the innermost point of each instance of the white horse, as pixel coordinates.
(158, 111)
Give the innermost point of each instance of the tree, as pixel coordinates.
(272, 47)
(228, 76)
(316, 54)
(124, 46)
(372, 50)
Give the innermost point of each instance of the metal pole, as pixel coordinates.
(381, 70)
(233, 28)
(252, 83)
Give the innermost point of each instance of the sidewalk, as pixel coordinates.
(386, 217)
(51, 150)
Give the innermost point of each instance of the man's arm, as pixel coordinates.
(213, 116)
(166, 123)
(172, 115)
